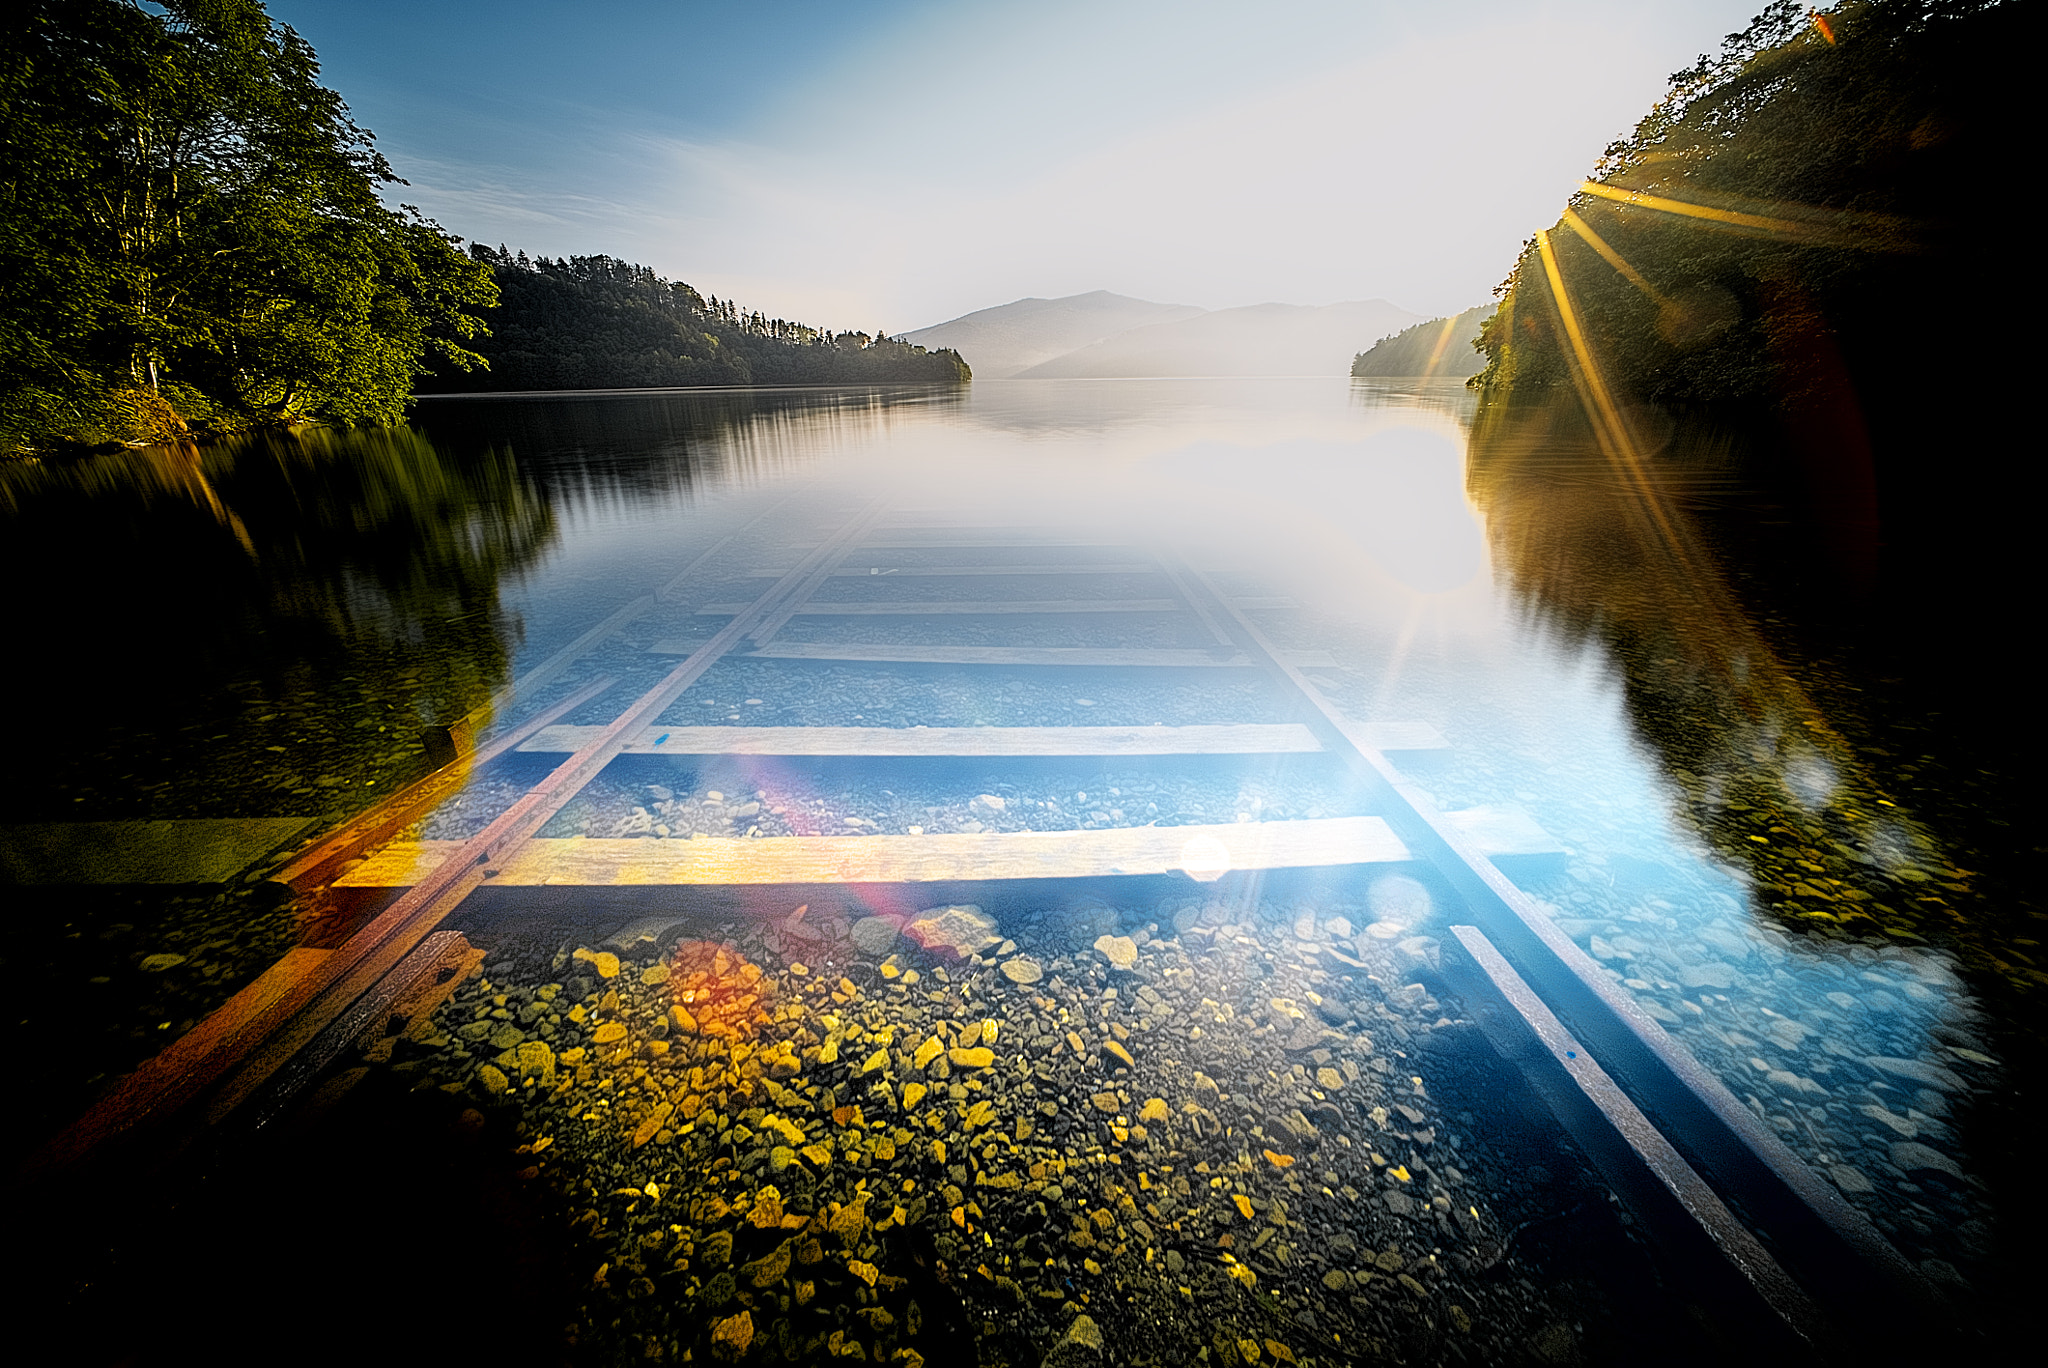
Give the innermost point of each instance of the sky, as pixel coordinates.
(888, 164)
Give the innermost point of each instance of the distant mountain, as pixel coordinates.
(1009, 338)
(1440, 346)
(1261, 339)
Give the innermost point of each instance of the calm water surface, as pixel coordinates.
(265, 630)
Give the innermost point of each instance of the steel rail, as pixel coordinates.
(321, 861)
(314, 866)
(1827, 1244)
(229, 1063)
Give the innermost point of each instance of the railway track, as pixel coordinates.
(1765, 1237)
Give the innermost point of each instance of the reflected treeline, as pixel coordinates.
(606, 446)
(1609, 550)
(1448, 396)
(311, 599)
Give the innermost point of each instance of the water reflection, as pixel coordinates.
(277, 591)
(598, 448)
(1595, 554)
(659, 1065)
(1852, 1037)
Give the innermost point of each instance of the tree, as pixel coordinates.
(191, 216)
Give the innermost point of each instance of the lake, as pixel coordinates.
(1182, 1110)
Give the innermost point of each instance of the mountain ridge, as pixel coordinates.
(1014, 337)
(1100, 335)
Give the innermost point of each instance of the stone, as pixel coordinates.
(874, 935)
(1337, 1280)
(988, 802)
(1023, 969)
(537, 1061)
(1788, 1035)
(959, 930)
(1120, 951)
(928, 1050)
(737, 1331)
(1734, 946)
(1082, 1344)
(506, 1036)
(1104, 1102)
(1930, 1075)
(1154, 1111)
(1710, 975)
(1849, 1179)
(1088, 919)
(1399, 899)
(611, 1033)
(979, 1057)
(493, 1078)
(1417, 951)
(773, 1266)
(1305, 1036)
(1123, 1056)
(1329, 1080)
(1338, 928)
(1916, 1158)
(913, 1093)
(156, 964)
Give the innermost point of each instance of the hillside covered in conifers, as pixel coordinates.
(599, 323)
(1436, 346)
(1789, 245)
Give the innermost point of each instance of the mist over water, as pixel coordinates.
(1685, 810)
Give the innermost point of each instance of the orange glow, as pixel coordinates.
(1827, 30)
(718, 991)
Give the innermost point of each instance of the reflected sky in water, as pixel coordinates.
(1731, 859)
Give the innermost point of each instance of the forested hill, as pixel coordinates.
(599, 323)
(1440, 346)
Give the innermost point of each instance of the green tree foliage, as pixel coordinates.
(190, 228)
(1441, 346)
(1826, 192)
(600, 323)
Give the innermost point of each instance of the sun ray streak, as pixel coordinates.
(1615, 259)
(1828, 228)
(1443, 342)
(1610, 427)
(1396, 658)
